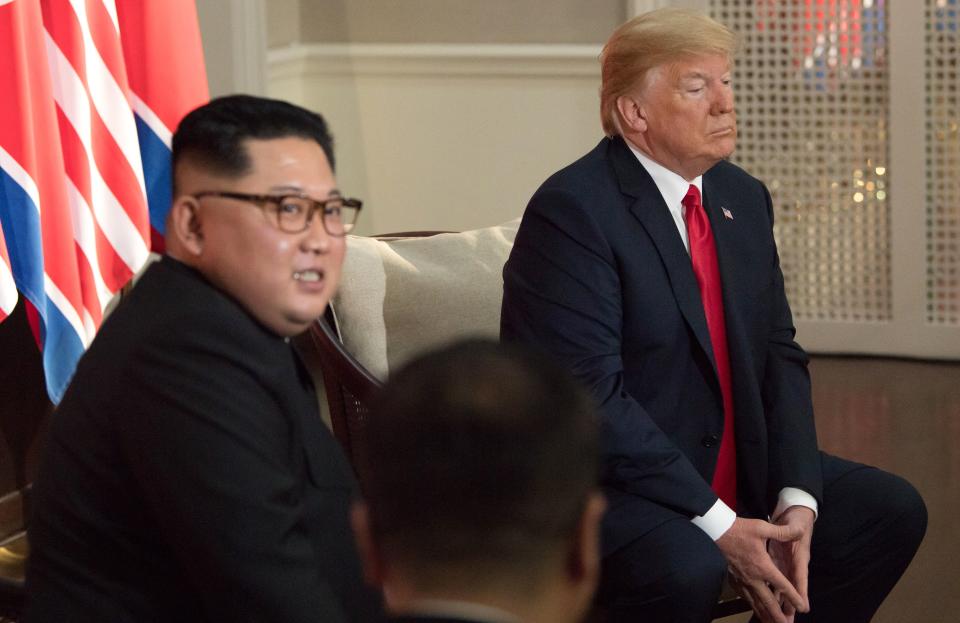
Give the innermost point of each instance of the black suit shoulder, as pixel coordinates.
(735, 185)
(190, 438)
(585, 173)
(176, 339)
(725, 172)
(175, 307)
(580, 205)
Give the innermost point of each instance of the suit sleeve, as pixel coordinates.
(212, 454)
(562, 295)
(794, 459)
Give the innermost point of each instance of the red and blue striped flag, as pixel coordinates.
(161, 46)
(92, 92)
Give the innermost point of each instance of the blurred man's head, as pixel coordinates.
(666, 88)
(256, 207)
(481, 482)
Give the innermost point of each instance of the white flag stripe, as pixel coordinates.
(111, 8)
(63, 304)
(20, 176)
(109, 99)
(85, 233)
(151, 119)
(89, 324)
(8, 289)
(114, 221)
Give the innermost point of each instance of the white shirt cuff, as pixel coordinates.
(791, 496)
(717, 520)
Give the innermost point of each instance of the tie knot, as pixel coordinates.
(692, 198)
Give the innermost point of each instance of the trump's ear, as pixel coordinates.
(184, 228)
(366, 544)
(632, 114)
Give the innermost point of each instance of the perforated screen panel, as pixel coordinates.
(812, 99)
(943, 162)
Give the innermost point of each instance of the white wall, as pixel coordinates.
(445, 137)
(431, 136)
(447, 114)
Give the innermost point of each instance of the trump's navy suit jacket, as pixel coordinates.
(599, 277)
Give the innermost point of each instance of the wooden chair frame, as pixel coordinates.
(348, 385)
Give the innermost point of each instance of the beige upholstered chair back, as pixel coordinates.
(401, 296)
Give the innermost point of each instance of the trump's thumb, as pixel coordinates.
(783, 533)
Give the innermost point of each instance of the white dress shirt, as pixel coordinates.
(674, 188)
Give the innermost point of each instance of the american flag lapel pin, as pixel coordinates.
(727, 213)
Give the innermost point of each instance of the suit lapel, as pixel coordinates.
(714, 203)
(738, 340)
(649, 208)
(750, 426)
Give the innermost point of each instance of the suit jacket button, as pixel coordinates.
(710, 441)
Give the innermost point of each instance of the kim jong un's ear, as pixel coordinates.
(184, 228)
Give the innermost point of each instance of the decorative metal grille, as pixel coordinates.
(812, 99)
(943, 162)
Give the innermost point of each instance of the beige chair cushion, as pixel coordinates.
(400, 297)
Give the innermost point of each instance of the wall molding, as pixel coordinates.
(437, 60)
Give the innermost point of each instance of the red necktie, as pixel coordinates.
(703, 255)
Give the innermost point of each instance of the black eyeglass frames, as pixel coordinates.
(294, 212)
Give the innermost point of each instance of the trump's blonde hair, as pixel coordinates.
(649, 41)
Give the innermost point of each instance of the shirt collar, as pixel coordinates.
(673, 188)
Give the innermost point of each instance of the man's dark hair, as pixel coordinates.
(213, 134)
(480, 456)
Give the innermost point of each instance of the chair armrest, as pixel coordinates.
(348, 386)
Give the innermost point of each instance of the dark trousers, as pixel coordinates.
(869, 527)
